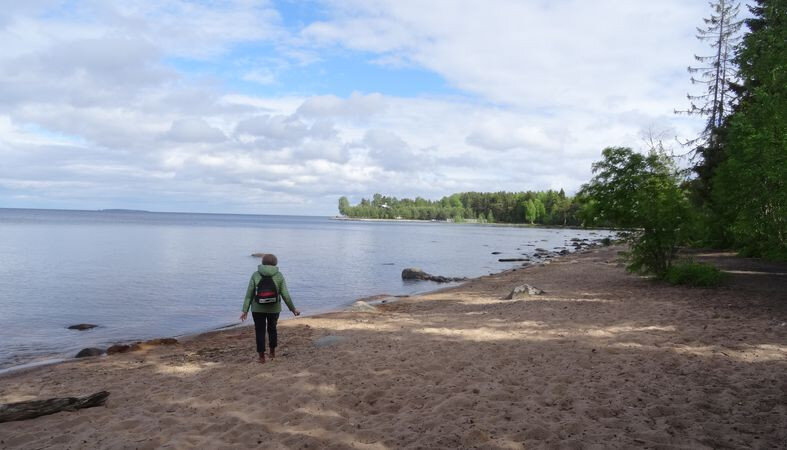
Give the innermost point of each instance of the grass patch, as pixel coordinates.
(689, 273)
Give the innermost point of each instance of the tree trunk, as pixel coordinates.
(36, 408)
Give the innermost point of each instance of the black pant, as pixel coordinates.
(260, 320)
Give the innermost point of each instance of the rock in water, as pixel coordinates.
(523, 291)
(258, 255)
(82, 326)
(414, 273)
(90, 351)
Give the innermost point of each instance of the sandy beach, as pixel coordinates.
(603, 359)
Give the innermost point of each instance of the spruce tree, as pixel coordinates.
(752, 180)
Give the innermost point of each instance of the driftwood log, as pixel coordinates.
(36, 408)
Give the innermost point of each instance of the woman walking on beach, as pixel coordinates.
(266, 289)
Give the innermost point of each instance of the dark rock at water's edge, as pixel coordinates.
(118, 348)
(513, 259)
(123, 348)
(523, 291)
(414, 273)
(90, 351)
(82, 326)
(496, 253)
(162, 341)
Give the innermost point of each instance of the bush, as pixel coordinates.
(641, 192)
(689, 273)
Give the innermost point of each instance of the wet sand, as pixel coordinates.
(603, 359)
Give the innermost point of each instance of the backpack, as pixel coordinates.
(266, 292)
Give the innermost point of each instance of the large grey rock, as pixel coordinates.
(327, 341)
(524, 291)
(414, 273)
(90, 351)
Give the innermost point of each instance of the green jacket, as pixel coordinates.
(281, 287)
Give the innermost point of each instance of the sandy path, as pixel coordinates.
(604, 359)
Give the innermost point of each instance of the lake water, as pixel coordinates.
(143, 275)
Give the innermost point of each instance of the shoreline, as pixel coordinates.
(494, 224)
(602, 358)
(62, 358)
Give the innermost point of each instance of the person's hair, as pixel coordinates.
(269, 259)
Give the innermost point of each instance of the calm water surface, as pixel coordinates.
(144, 275)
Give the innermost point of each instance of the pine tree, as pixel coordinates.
(718, 73)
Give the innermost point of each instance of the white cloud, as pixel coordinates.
(357, 106)
(260, 76)
(570, 53)
(95, 113)
(194, 130)
(499, 136)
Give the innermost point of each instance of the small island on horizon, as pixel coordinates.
(122, 210)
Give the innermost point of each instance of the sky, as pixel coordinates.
(281, 107)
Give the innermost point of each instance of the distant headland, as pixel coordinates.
(118, 210)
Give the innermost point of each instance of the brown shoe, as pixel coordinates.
(261, 359)
(273, 353)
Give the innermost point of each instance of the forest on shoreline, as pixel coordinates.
(542, 208)
(734, 194)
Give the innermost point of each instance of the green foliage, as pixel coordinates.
(344, 205)
(643, 192)
(530, 211)
(548, 208)
(689, 273)
(750, 185)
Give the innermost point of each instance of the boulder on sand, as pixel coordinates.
(118, 348)
(90, 351)
(414, 273)
(523, 291)
(123, 348)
